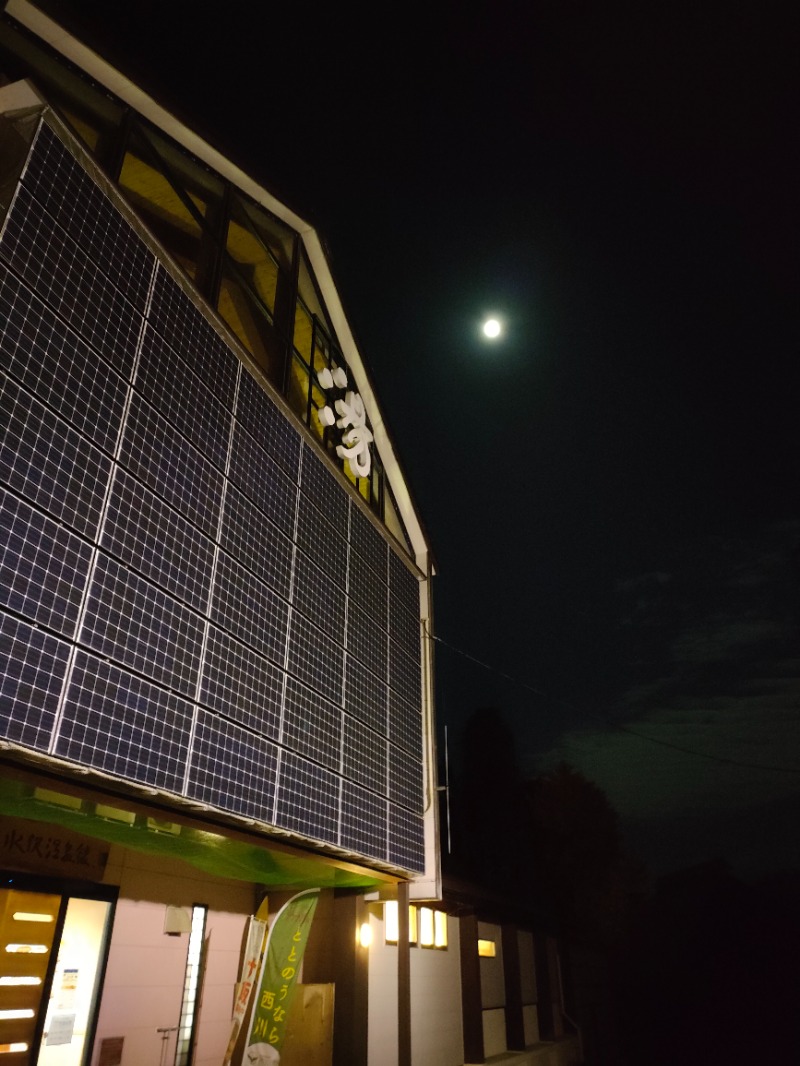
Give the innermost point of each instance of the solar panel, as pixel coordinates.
(406, 839)
(369, 544)
(364, 821)
(403, 584)
(139, 626)
(251, 538)
(365, 640)
(368, 591)
(170, 386)
(364, 756)
(47, 461)
(366, 696)
(405, 779)
(321, 487)
(314, 659)
(262, 480)
(242, 684)
(249, 609)
(48, 359)
(79, 206)
(33, 665)
(405, 725)
(405, 675)
(232, 768)
(312, 726)
(43, 567)
(124, 725)
(239, 630)
(321, 542)
(308, 799)
(188, 331)
(173, 469)
(64, 276)
(145, 533)
(405, 630)
(271, 429)
(318, 599)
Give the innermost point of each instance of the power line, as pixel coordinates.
(604, 721)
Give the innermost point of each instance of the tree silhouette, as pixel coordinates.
(579, 863)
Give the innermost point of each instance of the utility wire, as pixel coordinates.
(604, 721)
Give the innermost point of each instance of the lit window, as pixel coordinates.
(439, 929)
(412, 925)
(30, 916)
(191, 986)
(26, 949)
(390, 921)
(392, 925)
(426, 927)
(487, 949)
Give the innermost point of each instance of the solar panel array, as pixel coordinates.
(189, 596)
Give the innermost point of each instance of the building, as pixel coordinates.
(215, 678)
(215, 666)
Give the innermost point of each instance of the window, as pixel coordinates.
(487, 949)
(191, 987)
(426, 927)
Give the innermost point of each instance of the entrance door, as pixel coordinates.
(51, 950)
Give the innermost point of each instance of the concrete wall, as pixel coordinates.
(144, 979)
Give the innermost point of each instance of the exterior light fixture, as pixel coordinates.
(365, 934)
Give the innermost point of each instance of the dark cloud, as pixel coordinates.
(709, 734)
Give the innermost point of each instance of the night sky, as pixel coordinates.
(611, 489)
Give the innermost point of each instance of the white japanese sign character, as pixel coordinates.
(356, 440)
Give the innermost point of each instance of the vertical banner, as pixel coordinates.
(286, 945)
(253, 954)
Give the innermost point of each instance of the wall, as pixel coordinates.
(528, 992)
(436, 1033)
(382, 1031)
(144, 978)
(493, 992)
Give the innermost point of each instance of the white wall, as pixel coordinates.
(382, 990)
(436, 1032)
(144, 979)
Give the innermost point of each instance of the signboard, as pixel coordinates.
(42, 847)
(286, 945)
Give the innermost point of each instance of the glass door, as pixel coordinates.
(28, 922)
(51, 955)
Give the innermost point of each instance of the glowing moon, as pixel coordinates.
(491, 328)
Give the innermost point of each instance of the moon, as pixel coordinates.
(492, 328)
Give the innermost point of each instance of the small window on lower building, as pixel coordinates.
(487, 949)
